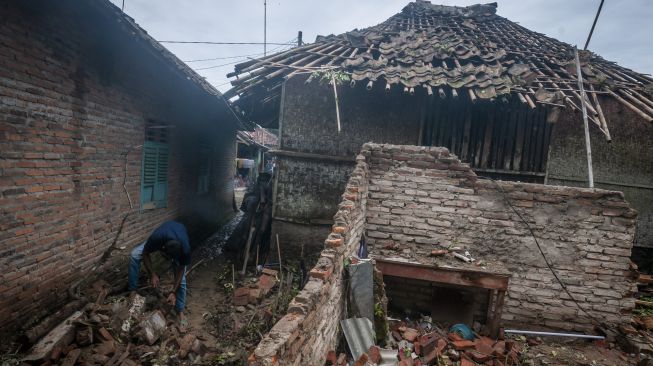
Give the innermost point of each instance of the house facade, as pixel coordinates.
(502, 98)
(104, 135)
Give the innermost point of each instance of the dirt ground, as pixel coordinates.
(574, 352)
(231, 332)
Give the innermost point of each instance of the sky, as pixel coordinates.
(623, 33)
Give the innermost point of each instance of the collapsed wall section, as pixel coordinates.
(422, 198)
(310, 328)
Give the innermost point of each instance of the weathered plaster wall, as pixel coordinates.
(309, 188)
(311, 327)
(625, 164)
(424, 199)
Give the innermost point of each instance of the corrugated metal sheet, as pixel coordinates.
(359, 335)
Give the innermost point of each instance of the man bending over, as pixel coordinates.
(171, 240)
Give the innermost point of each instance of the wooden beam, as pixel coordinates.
(310, 156)
(452, 276)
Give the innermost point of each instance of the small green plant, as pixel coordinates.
(643, 311)
(378, 310)
(228, 287)
(327, 76)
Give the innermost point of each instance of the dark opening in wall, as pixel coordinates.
(446, 304)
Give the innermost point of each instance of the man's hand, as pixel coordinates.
(172, 298)
(154, 280)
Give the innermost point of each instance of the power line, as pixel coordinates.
(206, 42)
(223, 58)
(237, 61)
(598, 12)
(292, 41)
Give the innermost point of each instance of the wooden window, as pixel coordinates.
(204, 170)
(154, 173)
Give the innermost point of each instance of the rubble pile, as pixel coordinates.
(119, 330)
(424, 343)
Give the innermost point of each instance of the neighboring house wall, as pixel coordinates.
(625, 164)
(71, 136)
(308, 187)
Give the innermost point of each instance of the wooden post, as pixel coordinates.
(280, 268)
(588, 147)
(299, 38)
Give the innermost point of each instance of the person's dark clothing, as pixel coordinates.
(170, 230)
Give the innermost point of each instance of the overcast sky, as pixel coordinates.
(623, 32)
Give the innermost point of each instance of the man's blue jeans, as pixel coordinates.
(135, 269)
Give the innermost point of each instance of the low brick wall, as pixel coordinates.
(424, 198)
(311, 327)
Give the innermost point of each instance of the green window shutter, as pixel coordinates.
(204, 171)
(154, 186)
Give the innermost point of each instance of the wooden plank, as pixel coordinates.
(487, 139)
(493, 325)
(443, 275)
(528, 139)
(60, 336)
(511, 132)
(644, 303)
(479, 119)
(499, 139)
(644, 278)
(310, 156)
(466, 134)
(519, 141)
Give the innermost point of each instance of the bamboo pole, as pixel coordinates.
(604, 123)
(632, 107)
(335, 94)
(588, 147)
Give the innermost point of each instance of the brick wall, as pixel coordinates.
(311, 327)
(424, 198)
(70, 135)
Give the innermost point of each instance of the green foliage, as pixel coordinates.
(326, 76)
(378, 310)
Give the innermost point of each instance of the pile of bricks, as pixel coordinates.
(254, 293)
(419, 348)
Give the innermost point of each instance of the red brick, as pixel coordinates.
(462, 345)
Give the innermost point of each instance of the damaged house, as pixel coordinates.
(104, 135)
(502, 98)
(472, 141)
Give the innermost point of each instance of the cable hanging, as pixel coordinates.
(206, 42)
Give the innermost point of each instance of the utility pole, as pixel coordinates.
(299, 38)
(265, 27)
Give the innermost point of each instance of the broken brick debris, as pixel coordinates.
(254, 294)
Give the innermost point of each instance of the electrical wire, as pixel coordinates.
(290, 42)
(539, 248)
(240, 43)
(222, 58)
(234, 62)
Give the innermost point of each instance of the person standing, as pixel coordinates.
(171, 240)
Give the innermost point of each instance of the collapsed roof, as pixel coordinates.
(449, 51)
